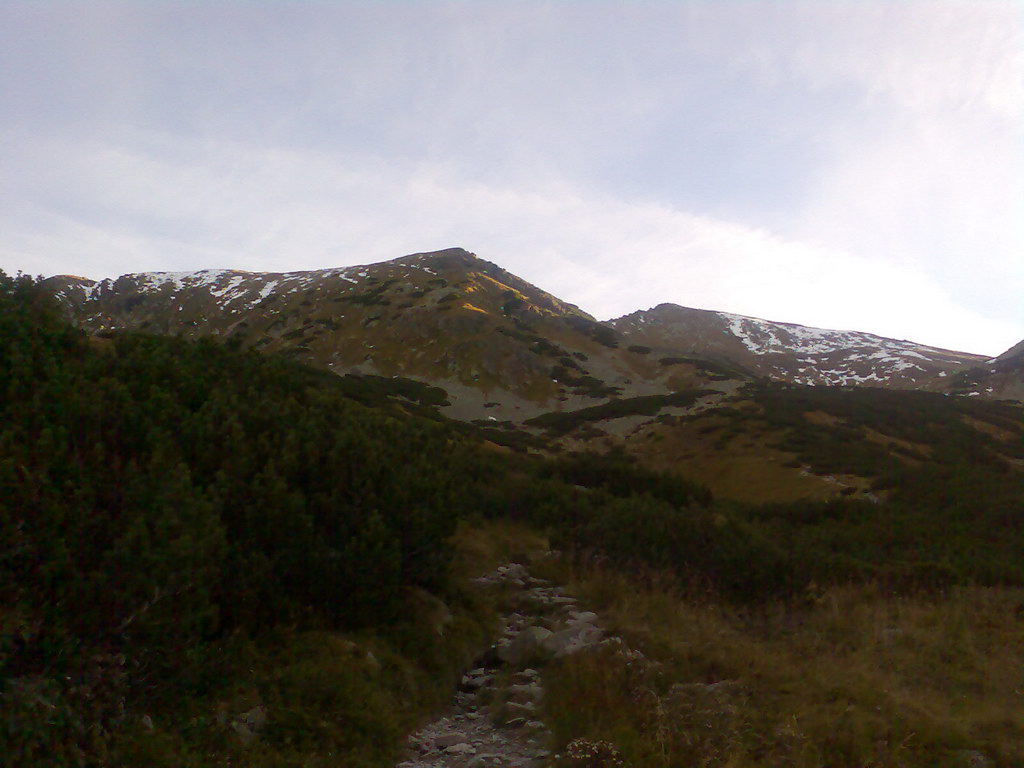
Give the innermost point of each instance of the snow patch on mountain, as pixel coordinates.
(763, 337)
(179, 280)
(233, 283)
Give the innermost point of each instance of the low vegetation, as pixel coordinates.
(562, 422)
(181, 524)
(847, 676)
(213, 557)
(863, 426)
(716, 371)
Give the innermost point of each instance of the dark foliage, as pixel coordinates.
(561, 422)
(373, 390)
(621, 476)
(938, 423)
(599, 332)
(158, 494)
(717, 371)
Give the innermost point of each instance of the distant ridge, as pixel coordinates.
(503, 348)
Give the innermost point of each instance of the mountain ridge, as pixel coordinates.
(505, 348)
(794, 352)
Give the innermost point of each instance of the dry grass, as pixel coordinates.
(851, 677)
(481, 545)
(748, 468)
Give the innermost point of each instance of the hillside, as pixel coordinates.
(454, 334)
(793, 353)
(213, 557)
(502, 348)
(1001, 377)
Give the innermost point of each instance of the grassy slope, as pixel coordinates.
(848, 677)
(845, 675)
(789, 443)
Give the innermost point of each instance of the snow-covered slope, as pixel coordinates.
(790, 352)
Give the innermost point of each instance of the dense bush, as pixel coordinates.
(158, 494)
(621, 475)
(561, 422)
(937, 422)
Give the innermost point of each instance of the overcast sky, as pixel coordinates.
(847, 165)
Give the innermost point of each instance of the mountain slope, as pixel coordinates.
(501, 347)
(1000, 378)
(793, 353)
(664, 384)
(189, 528)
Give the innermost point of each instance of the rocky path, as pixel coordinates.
(494, 721)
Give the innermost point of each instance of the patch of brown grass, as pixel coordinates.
(823, 419)
(989, 429)
(748, 468)
(849, 677)
(875, 436)
(482, 545)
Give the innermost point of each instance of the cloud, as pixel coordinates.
(160, 205)
(943, 198)
(921, 55)
(839, 164)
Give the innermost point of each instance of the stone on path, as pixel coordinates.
(470, 737)
(527, 644)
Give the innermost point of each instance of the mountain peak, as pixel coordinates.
(445, 256)
(1016, 351)
(450, 316)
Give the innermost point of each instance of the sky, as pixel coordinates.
(852, 165)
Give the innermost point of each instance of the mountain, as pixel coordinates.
(790, 352)
(210, 551)
(1014, 356)
(749, 407)
(1001, 377)
(502, 348)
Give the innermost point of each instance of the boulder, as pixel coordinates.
(972, 758)
(488, 760)
(471, 683)
(446, 740)
(524, 693)
(573, 639)
(526, 711)
(525, 676)
(526, 645)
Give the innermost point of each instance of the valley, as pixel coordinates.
(246, 519)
